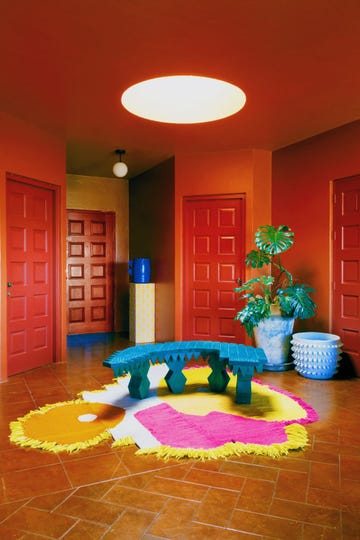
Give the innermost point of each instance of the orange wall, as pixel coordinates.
(301, 198)
(240, 171)
(108, 195)
(152, 235)
(31, 152)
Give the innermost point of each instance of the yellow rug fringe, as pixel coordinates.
(125, 441)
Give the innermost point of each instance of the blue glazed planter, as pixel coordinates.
(273, 336)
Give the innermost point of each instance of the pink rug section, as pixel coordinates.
(210, 431)
(179, 430)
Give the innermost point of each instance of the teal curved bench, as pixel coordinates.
(239, 359)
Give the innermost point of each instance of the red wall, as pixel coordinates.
(31, 152)
(301, 198)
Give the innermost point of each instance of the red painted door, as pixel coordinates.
(346, 266)
(30, 276)
(214, 249)
(90, 268)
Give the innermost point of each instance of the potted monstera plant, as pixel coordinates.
(273, 300)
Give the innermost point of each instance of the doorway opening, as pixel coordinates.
(90, 271)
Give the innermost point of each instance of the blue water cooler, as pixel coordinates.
(139, 270)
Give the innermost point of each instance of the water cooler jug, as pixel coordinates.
(139, 270)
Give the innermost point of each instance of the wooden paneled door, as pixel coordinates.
(346, 266)
(30, 275)
(90, 271)
(213, 259)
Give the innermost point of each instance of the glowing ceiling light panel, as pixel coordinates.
(183, 99)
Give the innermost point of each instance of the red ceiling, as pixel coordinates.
(64, 66)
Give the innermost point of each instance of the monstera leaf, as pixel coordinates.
(272, 240)
(257, 309)
(254, 286)
(296, 301)
(257, 259)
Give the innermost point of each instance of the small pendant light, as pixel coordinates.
(120, 168)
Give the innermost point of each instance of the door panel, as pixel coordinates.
(213, 255)
(346, 266)
(30, 273)
(90, 262)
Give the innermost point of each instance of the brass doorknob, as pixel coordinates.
(9, 284)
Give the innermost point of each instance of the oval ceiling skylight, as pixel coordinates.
(183, 99)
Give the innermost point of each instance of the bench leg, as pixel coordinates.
(139, 383)
(243, 388)
(175, 379)
(218, 378)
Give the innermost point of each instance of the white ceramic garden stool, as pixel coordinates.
(316, 354)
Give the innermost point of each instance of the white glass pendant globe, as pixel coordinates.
(120, 169)
(183, 99)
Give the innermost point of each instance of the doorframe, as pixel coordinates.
(353, 368)
(331, 245)
(58, 324)
(211, 196)
(331, 253)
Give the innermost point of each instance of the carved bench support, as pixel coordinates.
(139, 383)
(218, 378)
(175, 379)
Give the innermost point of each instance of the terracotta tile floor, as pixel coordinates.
(111, 494)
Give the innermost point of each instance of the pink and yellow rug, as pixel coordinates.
(197, 423)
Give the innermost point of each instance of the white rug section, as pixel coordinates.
(130, 426)
(118, 395)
